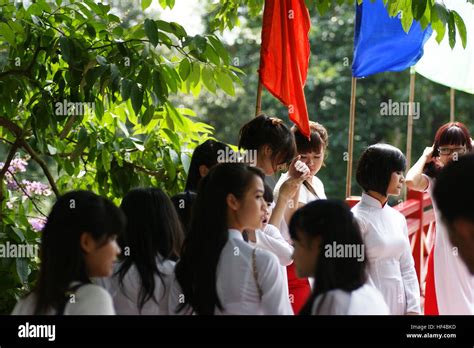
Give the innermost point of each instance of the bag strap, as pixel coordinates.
(255, 273)
(67, 296)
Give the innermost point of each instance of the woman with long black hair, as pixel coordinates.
(77, 243)
(218, 272)
(321, 230)
(150, 247)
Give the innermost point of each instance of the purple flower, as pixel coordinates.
(37, 224)
(18, 165)
(36, 188)
(12, 185)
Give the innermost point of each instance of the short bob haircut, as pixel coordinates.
(376, 166)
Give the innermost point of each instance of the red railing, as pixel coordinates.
(420, 217)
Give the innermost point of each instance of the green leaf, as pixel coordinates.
(165, 26)
(461, 27)
(220, 49)
(147, 116)
(101, 60)
(99, 108)
(22, 269)
(208, 79)
(418, 8)
(225, 82)
(193, 79)
(52, 150)
(151, 31)
(184, 69)
(7, 33)
(439, 18)
(106, 157)
(137, 98)
(451, 30)
(126, 88)
(211, 54)
(145, 4)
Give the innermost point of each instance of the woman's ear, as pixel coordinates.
(87, 242)
(315, 244)
(267, 150)
(203, 170)
(232, 202)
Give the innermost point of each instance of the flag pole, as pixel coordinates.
(258, 108)
(452, 102)
(411, 100)
(350, 149)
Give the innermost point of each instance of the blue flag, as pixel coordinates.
(381, 44)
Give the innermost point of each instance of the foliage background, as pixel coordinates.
(158, 91)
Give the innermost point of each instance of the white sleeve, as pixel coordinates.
(430, 182)
(410, 280)
(90, 299)
(273, 241)
(274, 298)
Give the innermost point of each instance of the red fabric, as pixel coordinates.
(431, 303)
(299, 289)
(284, 56)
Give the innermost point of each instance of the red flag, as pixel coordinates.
(284, 56)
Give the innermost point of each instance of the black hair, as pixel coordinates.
(271, 131)
(454, 189)
(333, 221)
(153, 230)
(183, 203)
(62, 258)
(268, 193)
(452, 133)
(196, 271)
(376, 166)
(318, 138)
(206, 154)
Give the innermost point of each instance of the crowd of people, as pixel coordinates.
(232, 244)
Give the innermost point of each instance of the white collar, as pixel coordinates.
(236, 234)
(371, 201)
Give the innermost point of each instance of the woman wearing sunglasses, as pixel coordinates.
(449, 286)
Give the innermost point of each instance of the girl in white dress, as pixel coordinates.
(150, 247)
(452, 291)
(384, 230)
(269, 236)
(77, 243)
(311, 152)
(320, 231)
(218, 272)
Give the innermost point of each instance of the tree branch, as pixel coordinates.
(4, 169)
(20, 185)
(43, 166)
(12, 127)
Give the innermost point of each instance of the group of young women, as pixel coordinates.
(230, 244)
